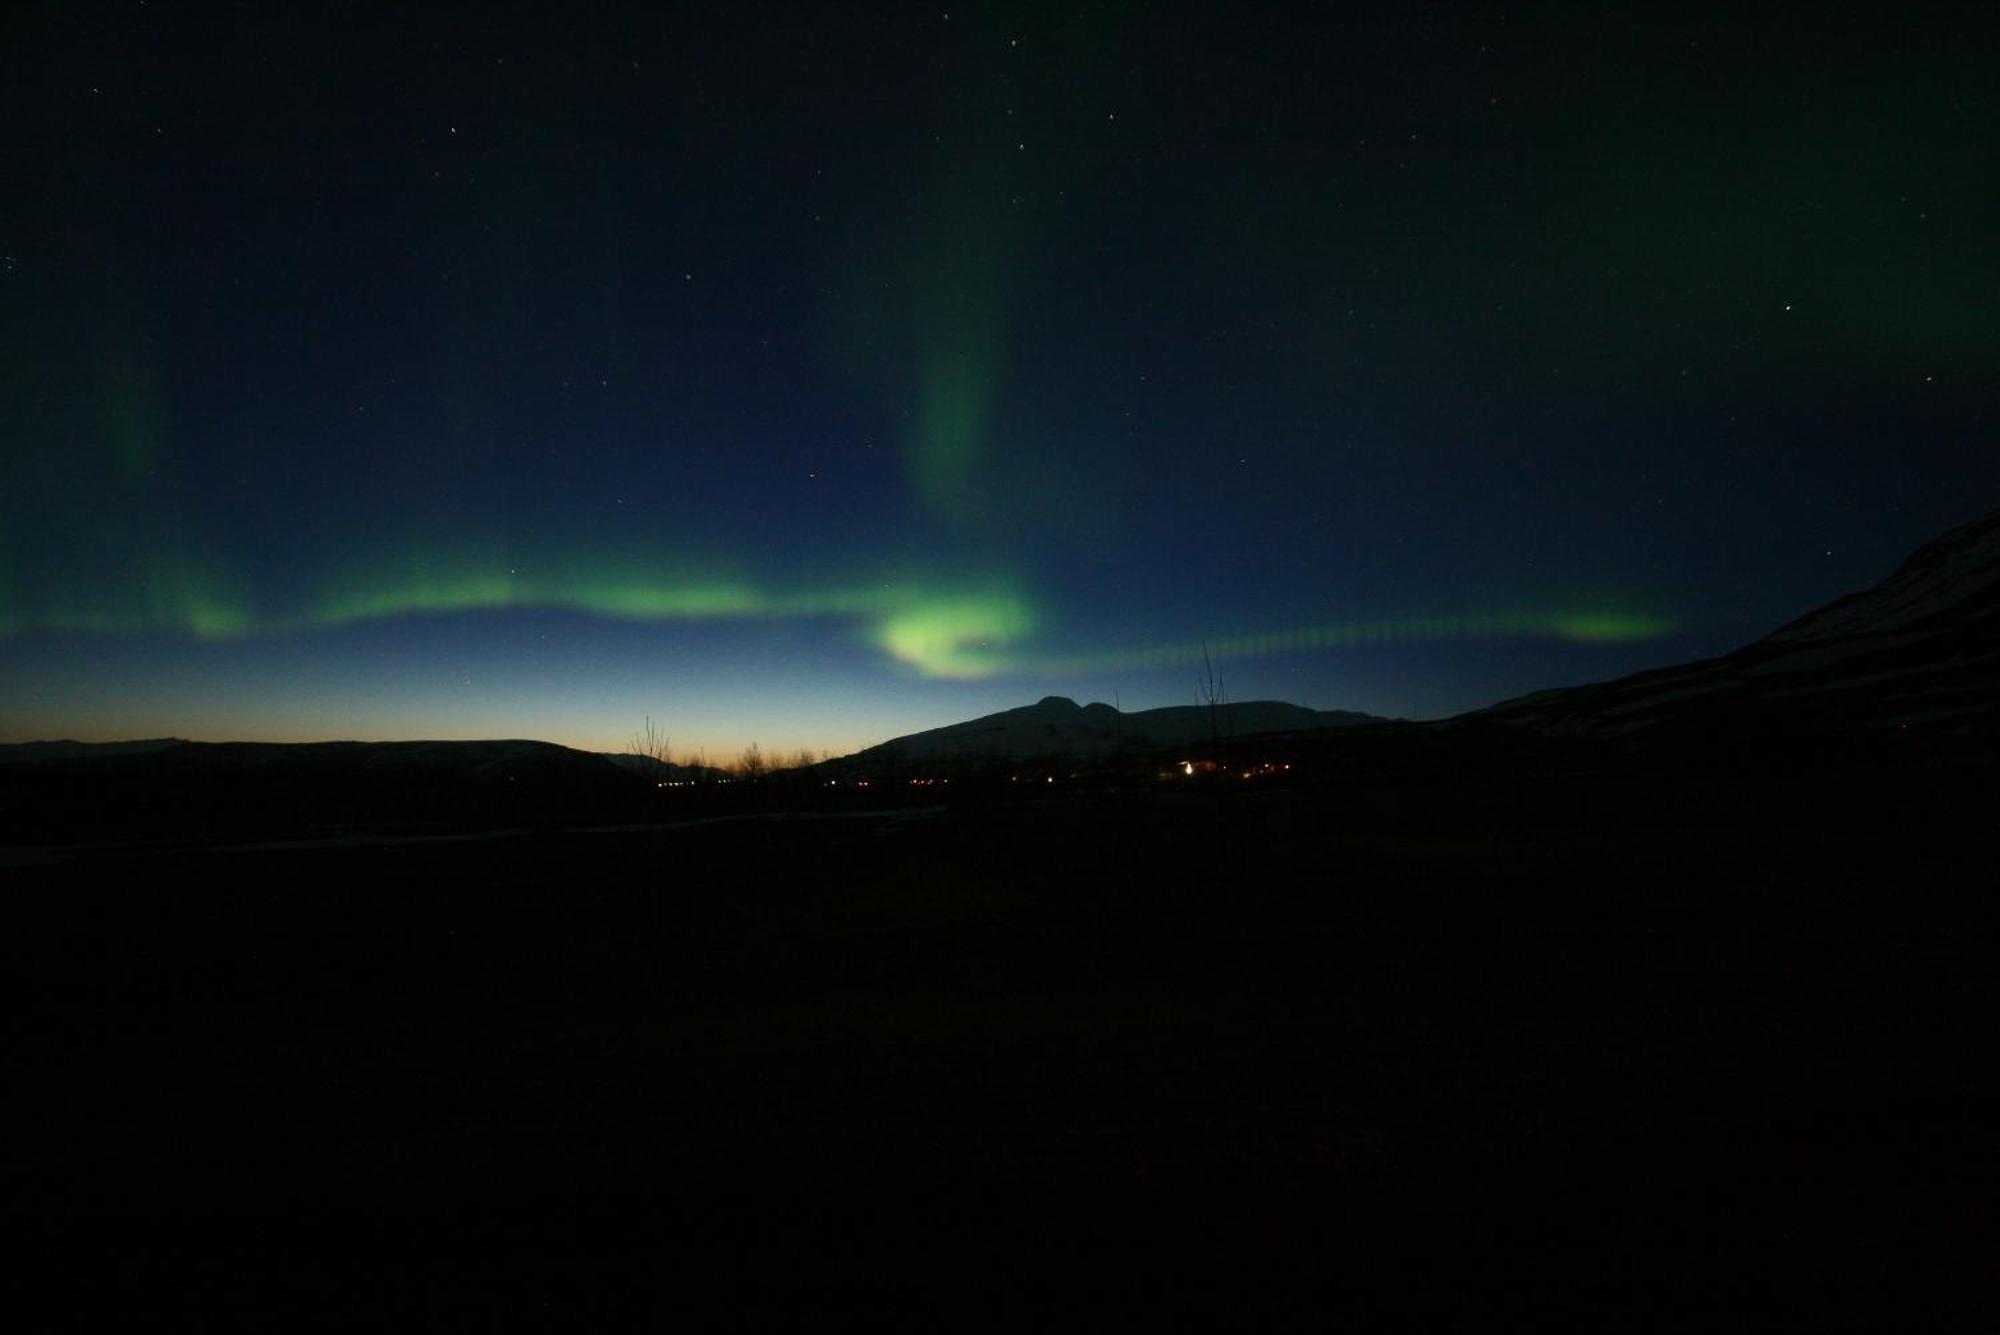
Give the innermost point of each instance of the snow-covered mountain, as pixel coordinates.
(1057, 726)
(1917, 653)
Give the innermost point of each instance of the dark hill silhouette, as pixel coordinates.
(199, 790)
(17, 753)
(1057, 726)
(662, 771)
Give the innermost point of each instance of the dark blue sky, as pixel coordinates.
(809, 375)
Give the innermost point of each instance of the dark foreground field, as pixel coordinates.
(1587, 1051)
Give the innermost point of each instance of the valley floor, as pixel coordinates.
(1548, 1051)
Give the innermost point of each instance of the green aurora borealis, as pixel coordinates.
(963, 635)
(1400, 363)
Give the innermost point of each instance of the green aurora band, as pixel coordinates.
(1586, 627)
(132, 562)
(972, 633)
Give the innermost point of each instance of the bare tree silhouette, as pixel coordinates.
(1210, 695)
(655, 746)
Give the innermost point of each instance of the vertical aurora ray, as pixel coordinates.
(130, 410)
(972, 251)
(98, 532)
(959, 320)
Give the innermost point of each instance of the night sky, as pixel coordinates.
(817, 373)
